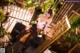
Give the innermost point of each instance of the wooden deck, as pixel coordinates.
(60, 27)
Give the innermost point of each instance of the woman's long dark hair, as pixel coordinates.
(50, 12)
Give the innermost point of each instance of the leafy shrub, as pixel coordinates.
(2, 15)
(75, 22)
(73, 39)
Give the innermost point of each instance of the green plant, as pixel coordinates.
(3, 32)
(10, 1)
(2, 16)
(75, 22)
(4, 35)
(57, 6)
(46, 5)
(30, 3)
(51, 4)
(72, 39)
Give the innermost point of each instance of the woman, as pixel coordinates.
(42, 21)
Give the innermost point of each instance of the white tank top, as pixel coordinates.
(40, 24)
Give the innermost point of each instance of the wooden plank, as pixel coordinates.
(74, 48)
(66, 7)
(76, 13)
